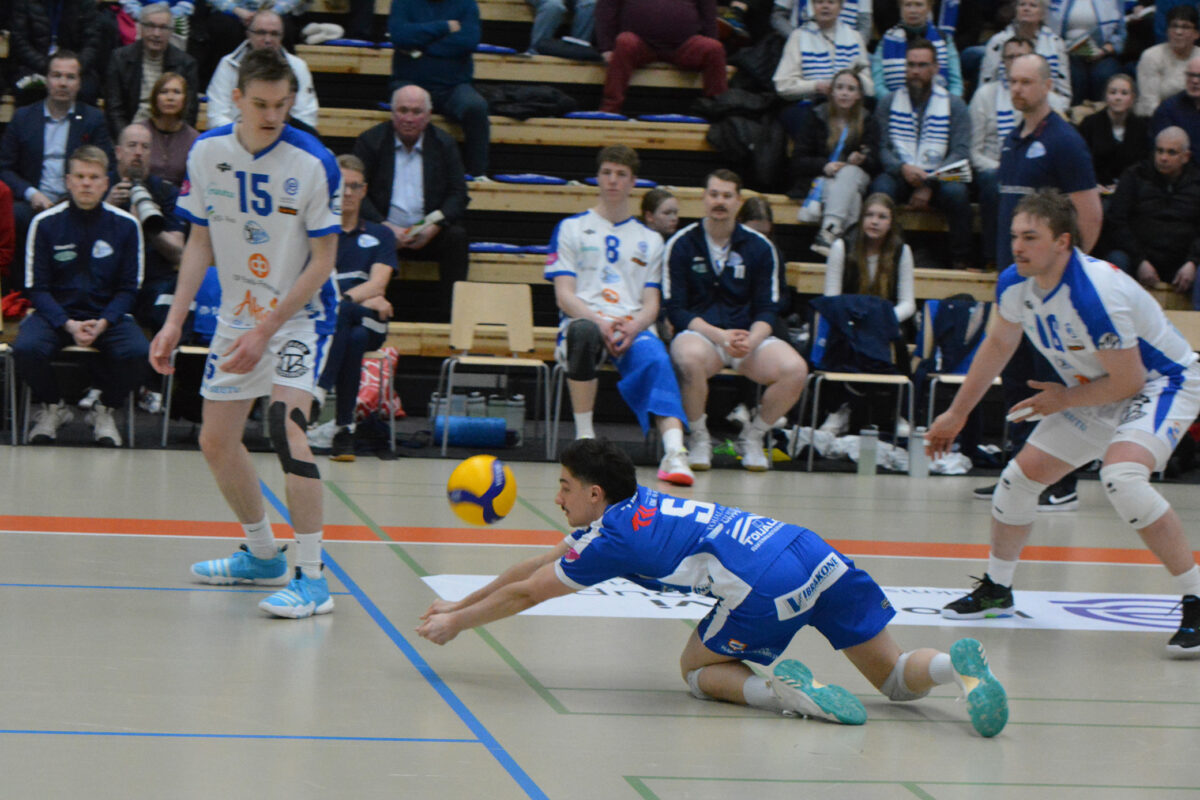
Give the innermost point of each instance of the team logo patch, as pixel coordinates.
(610, 276)
(1136, 409)
(736, 646)
(366, 240)
(259, 266)
(800, 600)
(610, 296)
(1109, 341)
(255, 234)
(643, 517)
(291, 186)
(65, 255)
(1036, 150)
(224, 166)
(101, 249)
(291, 359)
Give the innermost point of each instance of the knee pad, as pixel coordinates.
(1015, 500)
(1127, 485)
(693, 682)
(585, 349)
(894, 688)
(277, 425)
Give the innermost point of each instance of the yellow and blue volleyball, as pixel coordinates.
(482, 490)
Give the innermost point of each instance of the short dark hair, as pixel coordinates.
(268, 65)
(599, 462)
(654, 198)
(1055, 209)
(65, 55)
(921, 43)
(1185, 12)
(727, 175)
(1022, 40)
(756, 208)
(621, 154)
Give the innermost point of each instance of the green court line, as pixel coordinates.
(393, 545)
(917, 790)
(638, 782)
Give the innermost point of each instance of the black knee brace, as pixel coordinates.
(585, 349)
(277, 425)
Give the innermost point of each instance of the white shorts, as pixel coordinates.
(1156, 418)
(294, 357)
(727, 360)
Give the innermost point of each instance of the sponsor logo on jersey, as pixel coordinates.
(610, 276)
(101, 249)
(571, 555)
(250, 305)
(210, 368)
(736, 646)
(800, 600)
(610, 296)
(1109, 341)
(699, 265)
(640, 262)
(291, 359)
(219, 192)
(64, 256)
(1136, 408)
(642, 517)
(224, 389)
(224, 166)
(291, 186)
(259, 266)
(255, 234)
(366, 240)
(287, 210)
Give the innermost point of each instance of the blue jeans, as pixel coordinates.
(464, 105)
(952, 199)
(970, 60)
(548, 16)
(1089, 78)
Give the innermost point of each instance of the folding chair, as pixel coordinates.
(505, 305)
(928, 348)
(130, 402)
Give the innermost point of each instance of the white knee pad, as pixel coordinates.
(894, 688)
(1015, 500)
(1127, 485)
(693, 682)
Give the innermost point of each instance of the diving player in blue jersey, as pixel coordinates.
(1132, 389)
(770, 579)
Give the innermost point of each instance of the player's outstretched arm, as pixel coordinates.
(197, 257)
(504, 602)
(1126, 377)
(517, 572)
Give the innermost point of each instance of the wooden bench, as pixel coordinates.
(489, 10)
(432, 340)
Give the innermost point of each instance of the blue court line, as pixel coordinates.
(158, 735)
(256, 590)
(422, 666)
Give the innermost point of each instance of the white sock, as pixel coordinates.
(1001, 571)
(758, 694)
(673, 440)
(760, 426)
(1189, 582)
(260, 539)
(308, 553)
(700, 423)
(941, 670)
(583, 425)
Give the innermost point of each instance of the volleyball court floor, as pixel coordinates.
(121, 677)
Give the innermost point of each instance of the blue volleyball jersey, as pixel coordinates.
(660, 541)
(1094, 307)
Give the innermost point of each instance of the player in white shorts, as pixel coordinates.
(1132, 389)
(264, 202)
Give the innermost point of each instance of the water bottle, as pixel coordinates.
(515, 416)
(868, 447)
(476, 405)
(497, 406)
(487, 432)
(918, 462)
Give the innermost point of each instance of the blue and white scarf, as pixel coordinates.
(1108, 17)
(927, 151)
(819, 61)
(895, 47)
(1006, 116)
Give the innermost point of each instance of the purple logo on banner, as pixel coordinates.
(1146, 612)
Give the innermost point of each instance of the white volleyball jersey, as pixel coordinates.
(612, 263)
(1094, 307)
(261, 210)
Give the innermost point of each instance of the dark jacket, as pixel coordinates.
(1154, 220)
(23, 143)
(426, 53)
(445, 182)
(746, 291)
(1109, 157)
(858, 333)
(83, 264)
(33, 27)
(1181, 111)
(810, 152)
(123, 87)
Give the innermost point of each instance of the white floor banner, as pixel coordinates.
(915, 605)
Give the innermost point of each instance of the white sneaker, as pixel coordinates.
(46, 421)
(322, 435)
(837, 422)
(674, 469)
(903, 429)
(89, 400)
(699, 449)
(104, 427)
(750, 445)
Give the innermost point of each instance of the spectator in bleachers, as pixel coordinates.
(162, 232)
(171, 136)
(133, 71)
(265, 30)
(418, 190)
(8, 235)
(872, 259)
(633, 33)
(1160, 70)
(180, 11)
(922, 128)
(1030, 24)
(607, 272)
(1116, 137)
(1152, 218)
(812, 55)
(887, 63)
(992, 119)
(83, 273)
(787, 15)
(723, 298)
(41, 28)
(226, 24)
(1094, 34)
(660, 212)
(434, 44)
(1183, 109)
(757, 215)
(838, 145)
(33, 152)
(366, 261)
(548, 16)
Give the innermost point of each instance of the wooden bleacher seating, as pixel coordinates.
(489, 10)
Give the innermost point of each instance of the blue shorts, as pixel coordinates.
(809, 584)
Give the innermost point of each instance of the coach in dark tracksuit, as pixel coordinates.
(83, 270)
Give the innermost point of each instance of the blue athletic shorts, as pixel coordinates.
(809, 584)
